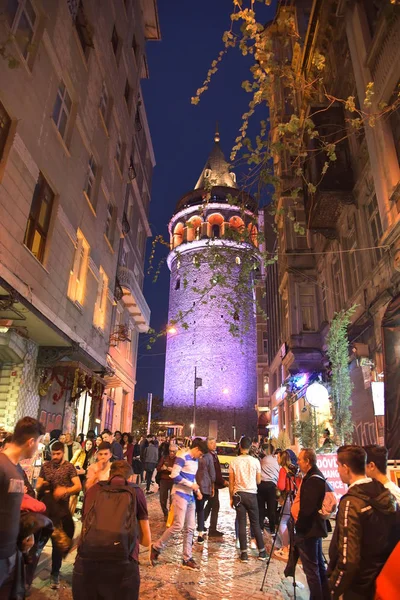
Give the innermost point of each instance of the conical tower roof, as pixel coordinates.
(216, 170)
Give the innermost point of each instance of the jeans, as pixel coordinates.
(165, 488)
(310, 552)
(245, 503)
(184, 519)
(200, 512)
(212, 506)
(104, 581)
(266, 494)
(149, 474)
(68, 526)
(7, 574)
(283, 532)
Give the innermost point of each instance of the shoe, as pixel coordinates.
(200, 540)
(190, 564)
(215, 533)
(253, 544)
(55, 582)
(238, 544)
(281, 554)
(262, 555)
(244, 557)
(154, 554)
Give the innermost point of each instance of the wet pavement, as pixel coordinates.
(221, 576)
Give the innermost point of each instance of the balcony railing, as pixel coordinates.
(133, 299)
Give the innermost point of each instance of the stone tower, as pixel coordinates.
(213, 235)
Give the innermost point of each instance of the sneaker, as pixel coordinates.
(154, 554)
(200, 540)
(244, 557)
(55, 582)
(190, 564)
(238, 544)
(215, 533)
(253, 544)
(262, 555)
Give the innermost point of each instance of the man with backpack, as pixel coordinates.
(311, 525)
(365, 532)
(115, 521)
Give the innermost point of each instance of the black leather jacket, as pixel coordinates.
(362, 540)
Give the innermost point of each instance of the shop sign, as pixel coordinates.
(326, 463)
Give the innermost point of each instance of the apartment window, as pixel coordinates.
(105, 105)
(117, 325)
(337, 283)
(394, 120)
(22, 18)
(119, 153)
(39, 218)
(140, 238)
(375, 226)
(266, 385)
(116, 44)
(90, 185)
(109, 417)
(128, 95)
(265, 342)
(135, 46)
(307, 307)
(110, 222)
(83, 28)
(62, 109)
(5, 124)
(77, 279)
(100, 307)
(131, 345)
(324, 301)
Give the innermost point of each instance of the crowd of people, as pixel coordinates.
(286, 499)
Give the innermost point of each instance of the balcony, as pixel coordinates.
(334, 189)
(133, 299)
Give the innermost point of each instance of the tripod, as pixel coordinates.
(289, 495)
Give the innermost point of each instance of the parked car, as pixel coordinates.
(226, 453)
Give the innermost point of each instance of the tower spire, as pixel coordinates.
(216, 136)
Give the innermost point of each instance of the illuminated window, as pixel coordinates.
(307, 307)
(100, 307)
(266, 384)
(39, 218)
(237, 260)
(62, 110)
(77, 279)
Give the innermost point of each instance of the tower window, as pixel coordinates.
(207, 173)
(178, 283)
(215, 231)
(237, 260)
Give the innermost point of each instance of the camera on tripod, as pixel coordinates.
(293, 470)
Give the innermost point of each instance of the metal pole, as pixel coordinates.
(149, 406)
(194, 402)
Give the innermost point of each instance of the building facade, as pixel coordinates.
(210, 374)
(75, 170)
(350, 252)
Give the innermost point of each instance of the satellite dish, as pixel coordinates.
(317, 395)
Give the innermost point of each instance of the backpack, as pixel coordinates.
(329, 503)
(110, 528)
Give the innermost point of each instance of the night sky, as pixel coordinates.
(183, 134)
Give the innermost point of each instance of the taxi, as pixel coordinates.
(226, 452)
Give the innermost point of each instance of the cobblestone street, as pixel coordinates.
(221, 577)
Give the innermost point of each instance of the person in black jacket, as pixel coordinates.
(365, 532)
(310, 526)
(212, 504)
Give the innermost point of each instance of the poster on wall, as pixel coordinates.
(326, 463)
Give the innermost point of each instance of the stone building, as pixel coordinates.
(350, 253)
(211, 350)
(75, 170)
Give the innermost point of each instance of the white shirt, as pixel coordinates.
(245, 469)
(393, 489)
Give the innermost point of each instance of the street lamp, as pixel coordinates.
(234, 432)
(225, 391)
(191, 429)
(172, 330)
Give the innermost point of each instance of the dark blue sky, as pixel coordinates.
(182, 134)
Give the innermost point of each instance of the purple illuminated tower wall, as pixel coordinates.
(225, 364)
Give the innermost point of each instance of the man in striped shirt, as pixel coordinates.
(185, 486)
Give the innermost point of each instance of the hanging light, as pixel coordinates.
(317, 395)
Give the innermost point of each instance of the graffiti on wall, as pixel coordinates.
(50, 420)
(364, 433)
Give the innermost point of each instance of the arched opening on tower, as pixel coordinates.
(216, 221)
(177, 237)
(236, 222)
(253, 234)
(193, 228)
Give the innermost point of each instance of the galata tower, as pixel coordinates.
(210, 373)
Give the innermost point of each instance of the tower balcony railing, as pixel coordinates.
(133, 299)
